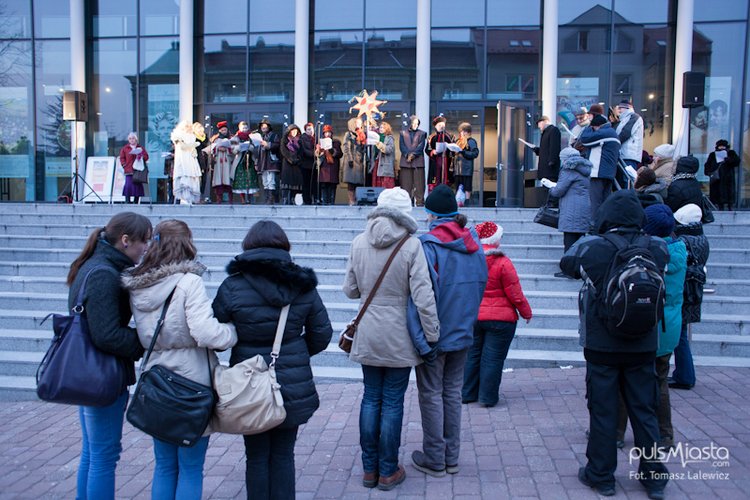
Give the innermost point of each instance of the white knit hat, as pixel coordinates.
(664, 151)
(395, 198)
(489, 233)
(688, 214)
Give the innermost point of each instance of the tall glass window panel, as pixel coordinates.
(339, 14)
(337, 65)
(716, 53)
(15, 19)
(743, 180)
(51, 19)
(513, 61)
(112, 95)
(158, 98)
(161, 17)
(457, 59)
(719, 10)
(114, 18)
(508, 13)
(382, 14)
(450, 13)
(225, 68)
(275, 15)
(390, 62)
(583, 63)
(16, 122)
(53, 133)
(271, 67)
(222, 17)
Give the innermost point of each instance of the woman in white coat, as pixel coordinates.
(186, 176)
(185, 345)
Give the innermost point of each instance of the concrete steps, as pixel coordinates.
(38, 242)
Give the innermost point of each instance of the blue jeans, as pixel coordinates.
(380, 417)
(178, 471)
(484, 363)
(684, 370)
(100, 449)
(269, 464)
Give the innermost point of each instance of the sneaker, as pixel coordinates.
(420, 463)
(679, 385)
(389, 482)
(605, 491)
(452, 469)
(370, 479)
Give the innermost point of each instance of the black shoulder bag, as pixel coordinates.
(168, 406)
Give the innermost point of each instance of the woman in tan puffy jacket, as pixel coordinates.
(185, 345)
(382, 344)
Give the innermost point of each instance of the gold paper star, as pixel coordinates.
(367, 104)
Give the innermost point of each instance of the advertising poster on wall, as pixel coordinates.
(163, 110)
(710, 122)
(572, 95)
(100, 171)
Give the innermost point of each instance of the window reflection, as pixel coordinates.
(225, 66)
(513, 58)
(114, 18)
(271, 65)
(15, 19)
(216, 20)
(457, 56)
(381, 14)
(51, 19)
(390, 63)
(275, 15)
(337, 65)
(160, 17)
(449, 13)
(340, 14)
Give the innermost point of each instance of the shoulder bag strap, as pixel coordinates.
(279, 334)
(380, 279)
(81, 291)
(157, 330)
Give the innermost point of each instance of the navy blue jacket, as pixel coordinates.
(458, 270)
(602, 150)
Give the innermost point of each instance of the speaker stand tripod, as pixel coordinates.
(73, 183)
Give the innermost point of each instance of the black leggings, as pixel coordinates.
(570, 238)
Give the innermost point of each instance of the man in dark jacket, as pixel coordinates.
(459, 274)
(603, 151)
(616, 363)
(268, 163)
(307, 165)
(548, 150)
(685, 188)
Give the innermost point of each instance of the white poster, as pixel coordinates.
(574, 93)
(100, 171)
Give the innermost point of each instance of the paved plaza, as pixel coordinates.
(530, 446)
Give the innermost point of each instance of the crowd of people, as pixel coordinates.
(445, 303)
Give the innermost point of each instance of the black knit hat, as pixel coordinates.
(598, 121)
(687, 165)
(441, 202)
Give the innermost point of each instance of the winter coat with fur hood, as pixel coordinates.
(261, 281)
(190, 327)
(382, 338)
(664, 169)
(573, 190)
(503, 297)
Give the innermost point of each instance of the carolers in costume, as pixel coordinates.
(307, 165)
(384, 174)
(329, 155)
(132, 156)
(464, 161)
(221, 146)
(269, 159)
(412, 144)
(203, 146)
(291, 174)
(440, 171)
(243, 174)
(354, 146)
(186, 173)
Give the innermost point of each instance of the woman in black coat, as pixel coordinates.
(685, 188)
(291, 159)
(261, 281)
(722, 184)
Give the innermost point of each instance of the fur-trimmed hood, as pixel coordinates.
(386, 225)
(271, 272)
(149, 291)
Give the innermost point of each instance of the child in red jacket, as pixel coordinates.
(496, 325)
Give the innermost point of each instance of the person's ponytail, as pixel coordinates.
(86, 253)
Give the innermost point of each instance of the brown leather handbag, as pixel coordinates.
(347, 336)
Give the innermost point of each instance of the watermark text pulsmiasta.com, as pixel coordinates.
(685, 453)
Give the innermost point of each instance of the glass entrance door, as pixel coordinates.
(514, 119)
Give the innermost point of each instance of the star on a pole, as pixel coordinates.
(367, 104)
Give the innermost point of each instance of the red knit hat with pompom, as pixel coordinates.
(489, 233)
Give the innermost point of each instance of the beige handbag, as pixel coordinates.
(249, 397)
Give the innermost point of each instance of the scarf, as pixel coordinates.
(201, 137)
(244, 136)
(462, 142)
(292, 143)
(683, 176)
(361, 137)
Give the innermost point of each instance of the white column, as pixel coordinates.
(549, 59)
(186, 60)
(77, 82)
(682, 62)
(301, 60)
(422, 91)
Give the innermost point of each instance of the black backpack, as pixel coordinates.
(633, 293)
(695, 277)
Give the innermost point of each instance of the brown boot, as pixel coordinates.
(370, 479)
(390, 482)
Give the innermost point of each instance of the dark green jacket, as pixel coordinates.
(107, 305)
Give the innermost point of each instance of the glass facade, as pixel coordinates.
(482, 52)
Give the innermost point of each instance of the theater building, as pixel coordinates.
(497, 64)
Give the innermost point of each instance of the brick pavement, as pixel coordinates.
(530, 446)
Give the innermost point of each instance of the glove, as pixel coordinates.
(432, 354)
(548, 183)
(351, 164)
